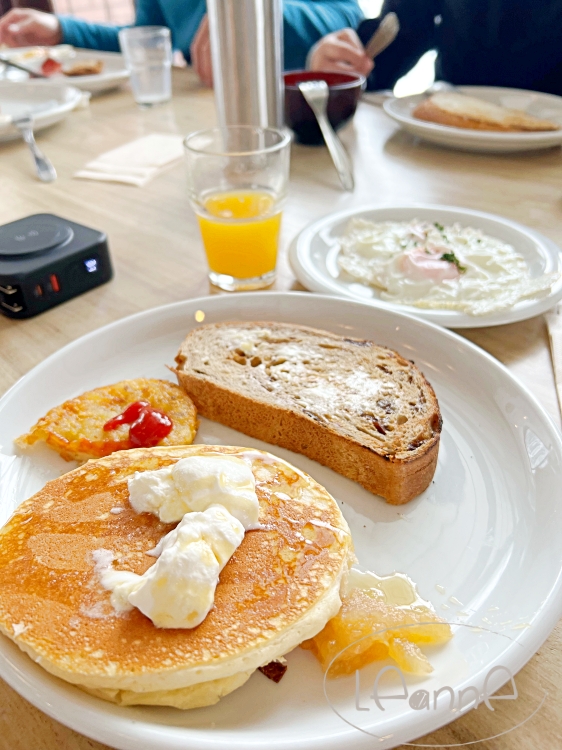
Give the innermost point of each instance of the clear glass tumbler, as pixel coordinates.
(148, 56)
(237, 183)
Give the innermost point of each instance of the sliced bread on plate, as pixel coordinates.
(358, 408)
(461, 111)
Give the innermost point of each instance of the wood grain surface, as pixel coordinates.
(158, 258)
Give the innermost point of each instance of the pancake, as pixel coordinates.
(279, 588)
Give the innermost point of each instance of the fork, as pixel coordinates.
(45, 170)
(316, 94)
(11, 64)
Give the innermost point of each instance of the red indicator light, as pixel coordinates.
(55, 286)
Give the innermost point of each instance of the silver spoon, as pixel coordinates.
(316, 94)
(45, 170)
(383, 36)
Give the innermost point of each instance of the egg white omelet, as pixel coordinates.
(432, 266)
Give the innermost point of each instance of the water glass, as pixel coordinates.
(237, 182)
(148, 56)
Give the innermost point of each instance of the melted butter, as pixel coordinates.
(397, 590)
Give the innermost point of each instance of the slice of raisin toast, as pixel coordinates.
(358, 408)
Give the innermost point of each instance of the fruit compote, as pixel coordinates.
(379, 618)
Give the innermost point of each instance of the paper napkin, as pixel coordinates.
(137, 162)
(554, 325)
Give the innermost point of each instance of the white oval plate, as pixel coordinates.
(114, 71)
(46, 103)
(488, 529)
(313, 257)
(547, 106)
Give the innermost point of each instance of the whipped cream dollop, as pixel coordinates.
(214, 499)
(195, 483)
(178, 591)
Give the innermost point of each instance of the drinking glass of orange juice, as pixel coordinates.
(237, 182)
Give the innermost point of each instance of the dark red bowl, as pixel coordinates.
(345, 90)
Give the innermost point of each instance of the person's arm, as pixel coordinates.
(100, 36)
(306, 21)
(81, 33)
(416, 36)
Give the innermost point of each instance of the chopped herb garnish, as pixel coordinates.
(452, 258)
(438, 226)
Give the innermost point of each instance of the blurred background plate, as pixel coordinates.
(45, 102)
(114, 72)
(546, 106)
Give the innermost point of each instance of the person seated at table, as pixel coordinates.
(304, 22)
(512, 43)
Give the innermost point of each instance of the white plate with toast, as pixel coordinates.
(313, 255)
(113, 73)
(544, 106)
(483, 542)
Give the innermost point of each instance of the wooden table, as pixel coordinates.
(158, 258)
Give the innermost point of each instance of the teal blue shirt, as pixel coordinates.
(304, 23)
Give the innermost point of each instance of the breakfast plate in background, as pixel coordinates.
(544, 106)
(46, 103)
(483, 542)
(113, 73)
(314, 257)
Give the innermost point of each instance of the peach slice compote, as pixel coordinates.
(380, 618)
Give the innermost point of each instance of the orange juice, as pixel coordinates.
(240, 230)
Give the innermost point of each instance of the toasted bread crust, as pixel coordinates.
(512, 121)
(430, 112)
(396, 475)
(84, 68)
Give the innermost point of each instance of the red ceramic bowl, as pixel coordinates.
(345, 90)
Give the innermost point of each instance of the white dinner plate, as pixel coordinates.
(114, 71)
(487, 532)
(546, 106)
(313, 256)
(46, 103)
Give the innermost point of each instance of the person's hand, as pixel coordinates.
(201, 53)
(340, 52)
(22, 27)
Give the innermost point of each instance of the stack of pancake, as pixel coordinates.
(279, 588)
